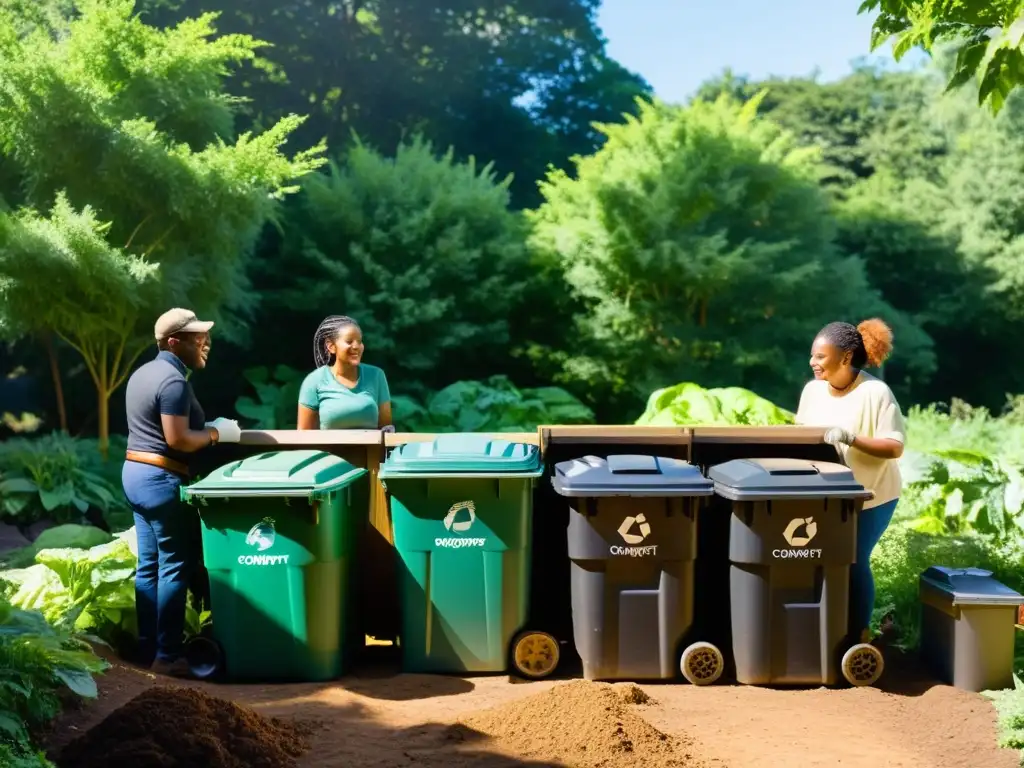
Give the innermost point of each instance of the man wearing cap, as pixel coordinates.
(166, 425)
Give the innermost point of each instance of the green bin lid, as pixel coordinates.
(277, 473)
(462, 454)
(783, 479)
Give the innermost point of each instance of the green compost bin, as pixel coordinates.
(461, 506)
(279, 530)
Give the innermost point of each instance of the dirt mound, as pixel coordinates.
(631, 693)
(584, 724)
(178, 727)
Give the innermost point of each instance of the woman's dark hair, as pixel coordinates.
(328, 331)
(870, 342)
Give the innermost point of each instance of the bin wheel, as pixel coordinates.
(863, 664)
(535, 654)
(702, 664)
(205, 657)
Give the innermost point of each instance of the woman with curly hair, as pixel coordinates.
(343, 392)
(867, 429)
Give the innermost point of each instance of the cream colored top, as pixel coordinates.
(867, 409)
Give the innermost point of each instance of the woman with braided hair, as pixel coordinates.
(867, 429)
(343, 392)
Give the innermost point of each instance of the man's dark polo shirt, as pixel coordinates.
(160, 387)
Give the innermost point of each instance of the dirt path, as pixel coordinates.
(384, 719)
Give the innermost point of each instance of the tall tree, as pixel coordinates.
(987, 35)
(121, 134)
(462, 73)
(698, 246)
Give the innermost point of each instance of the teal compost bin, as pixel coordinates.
(278, 535)
(461, 506)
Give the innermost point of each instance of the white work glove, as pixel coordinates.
(838, 435)
(388, 428)
(228, 430)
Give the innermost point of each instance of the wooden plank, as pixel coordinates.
(300, 437)
(612, 434)
(394, 439)
(793, 435)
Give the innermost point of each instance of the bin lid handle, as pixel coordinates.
(633, 465)
(793, 472)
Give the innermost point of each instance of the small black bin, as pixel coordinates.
(792, 540)
(632, 541)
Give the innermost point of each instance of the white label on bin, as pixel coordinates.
(454, 525)
(262, 535)
(263, 559)
(635, 551)
(625, 531)
(798, 534)
(453, 543)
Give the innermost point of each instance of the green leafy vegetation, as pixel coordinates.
(38, 661)
(691, 404)
(495, 405)
(54, 477)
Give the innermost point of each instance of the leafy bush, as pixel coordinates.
(277, 397)
(61, 537)
(689, 403)
(494, 405)
(37, 660)
(82, 590)
(962, 427)
(903, 554)
(961, 491)
(55, 476)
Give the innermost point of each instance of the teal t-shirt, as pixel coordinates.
(342, 407)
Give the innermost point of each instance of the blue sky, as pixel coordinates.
(678, 44)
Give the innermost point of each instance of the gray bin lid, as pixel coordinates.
(629, 475)
(970, 586)
(785, 479)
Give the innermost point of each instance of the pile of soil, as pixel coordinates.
(177, 727)
(584, 724)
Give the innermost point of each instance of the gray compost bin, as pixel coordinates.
(632, 540)
(967, 627)
(792, 540)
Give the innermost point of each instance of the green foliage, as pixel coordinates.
(962, 491)
(454, 70)
(82, 590)
(120, 123)
(690, 404)
(665, 238)
(277, 397)
(422, 251)
(1009, 705)
(37, 661)
(995, 60)
(494, 405)
(59, 537)
(54, 476)
(903, 554)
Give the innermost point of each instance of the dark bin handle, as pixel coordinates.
(633, 465)
(792, 472)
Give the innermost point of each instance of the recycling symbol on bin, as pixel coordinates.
(463, 525)
(262, 535)
(795, 525)
(633, 538)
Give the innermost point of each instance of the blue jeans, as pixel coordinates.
(168, 553)
(870, 526)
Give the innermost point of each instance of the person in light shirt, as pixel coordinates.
(343, 392)
(866, 427)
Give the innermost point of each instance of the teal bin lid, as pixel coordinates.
(462, 454)
(277, 473)
(629, 475)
